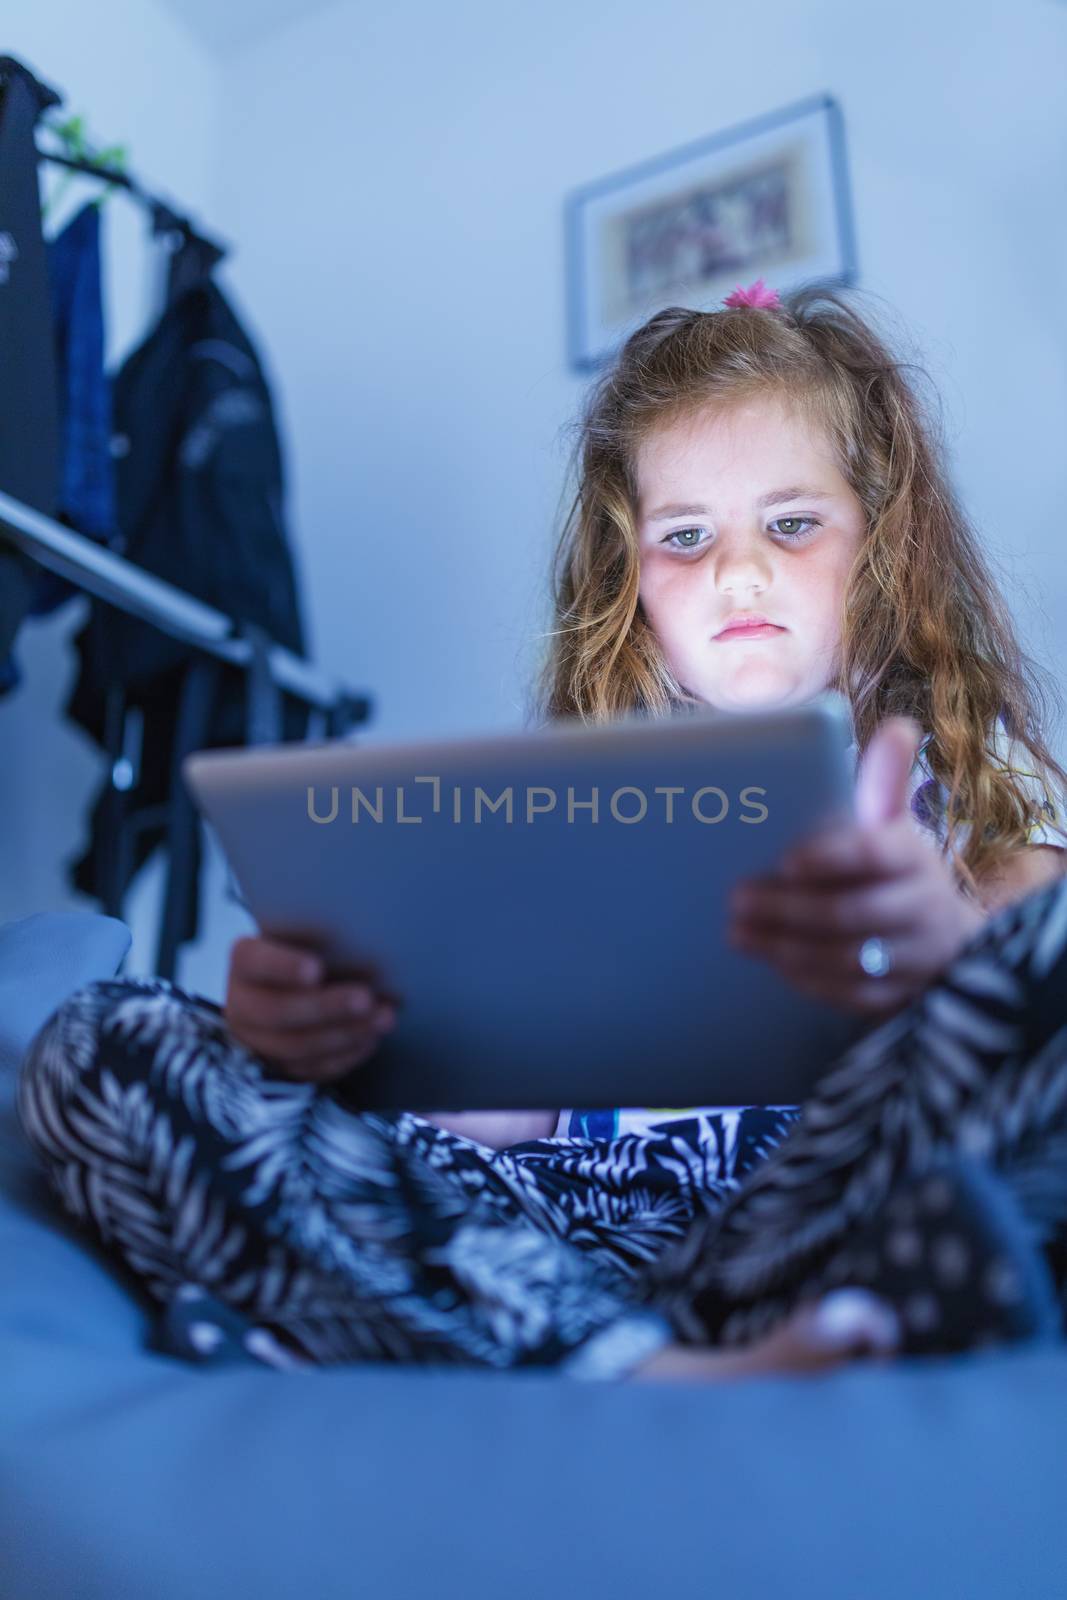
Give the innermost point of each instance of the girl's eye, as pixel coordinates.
(683, 535)
(796, 531)
(791, 528)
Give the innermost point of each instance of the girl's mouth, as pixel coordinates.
(750, 630)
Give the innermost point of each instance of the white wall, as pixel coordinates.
(403, 247)
(393, 180)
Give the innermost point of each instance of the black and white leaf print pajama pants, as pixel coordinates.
(330, 1234)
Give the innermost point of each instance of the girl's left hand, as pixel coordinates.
(877, 876)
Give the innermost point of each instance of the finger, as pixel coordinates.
(853, 853)
(868, 997)
(841, 982)
(829, 913)
(836, 953)
(259, 960)
(333, 1064)
(834, 956)
(282, 1009)
(296, 1044)
(883, 780)
(874, 997)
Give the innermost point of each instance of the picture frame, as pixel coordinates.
(767, 198)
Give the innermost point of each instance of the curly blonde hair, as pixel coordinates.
(925, 631)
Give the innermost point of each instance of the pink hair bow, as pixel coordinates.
(757, 294)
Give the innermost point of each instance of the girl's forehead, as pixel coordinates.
(744, 435)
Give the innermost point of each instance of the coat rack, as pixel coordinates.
(215, 641)
(216, 638)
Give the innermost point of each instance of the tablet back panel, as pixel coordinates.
(544, 952)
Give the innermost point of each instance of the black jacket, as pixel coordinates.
(29, 401)
(200, 492)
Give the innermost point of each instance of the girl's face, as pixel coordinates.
(743, 509)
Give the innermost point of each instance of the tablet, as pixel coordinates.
(548, 907)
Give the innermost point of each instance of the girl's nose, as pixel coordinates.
(742, 569)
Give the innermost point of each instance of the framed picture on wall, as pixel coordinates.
(768, 199)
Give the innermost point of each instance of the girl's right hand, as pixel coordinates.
(279, 1007)
(874, 876)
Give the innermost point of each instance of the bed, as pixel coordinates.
(126, 1472)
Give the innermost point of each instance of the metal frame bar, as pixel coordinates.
(122, 583)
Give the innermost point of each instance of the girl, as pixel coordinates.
(778, 466)
(761, 513)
